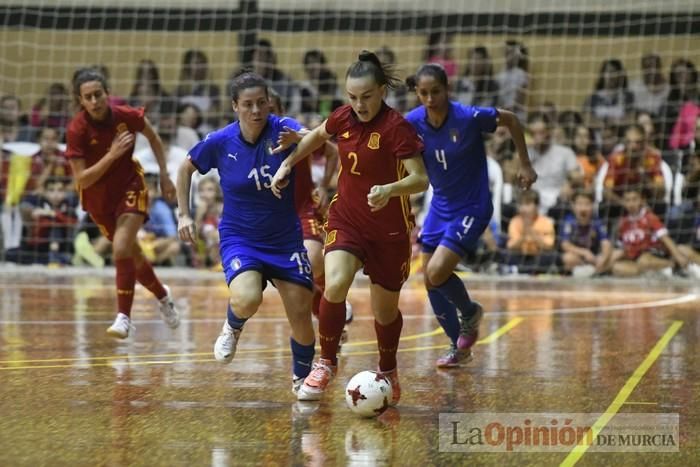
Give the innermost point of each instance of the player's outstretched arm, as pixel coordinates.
(526, 174)
(310, 142)
(415, 182)
(167, 187)
(185, 224)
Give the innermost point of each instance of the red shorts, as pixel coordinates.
(133, 200)
(312, 228)
(387, 264)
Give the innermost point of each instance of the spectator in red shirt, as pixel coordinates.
(644, 243)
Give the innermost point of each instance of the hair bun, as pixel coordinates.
(367, 56)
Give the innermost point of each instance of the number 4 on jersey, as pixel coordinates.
(440, 156)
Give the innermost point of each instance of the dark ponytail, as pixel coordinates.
(368, 64)
(434, 70)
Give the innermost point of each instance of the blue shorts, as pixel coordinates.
(289, 266)
(459, 234)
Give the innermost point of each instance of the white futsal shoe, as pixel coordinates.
(121, 327)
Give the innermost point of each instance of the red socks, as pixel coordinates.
(148, 279)
(331, 321)
(388, 342)
(126, 278)
(319, 286)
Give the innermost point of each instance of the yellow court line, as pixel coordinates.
(115, 360)
(434, 332)
(580, 449)
(502, 330)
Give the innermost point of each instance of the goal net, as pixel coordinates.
(591, 68)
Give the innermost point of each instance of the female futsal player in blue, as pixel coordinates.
(261, 238)
(461, 206)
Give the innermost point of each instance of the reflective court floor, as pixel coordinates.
(71, 395)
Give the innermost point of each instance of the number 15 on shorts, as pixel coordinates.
(302, 260)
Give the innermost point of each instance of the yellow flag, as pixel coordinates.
(17, 177)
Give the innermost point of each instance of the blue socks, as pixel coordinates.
(446, 314)
(453, 290)
(302, 357)
(234, 321)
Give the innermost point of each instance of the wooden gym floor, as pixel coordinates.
(71, 395)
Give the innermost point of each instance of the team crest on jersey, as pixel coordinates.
(236, 264)
(373, 142)
(454, 134)
(93, 142)
(346, 135)
(330, 238)
(121, 128)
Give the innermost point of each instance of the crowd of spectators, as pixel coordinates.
(618, 182)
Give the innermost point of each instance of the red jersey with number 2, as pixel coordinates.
(371, 154)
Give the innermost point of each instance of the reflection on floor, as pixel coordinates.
(71, 395)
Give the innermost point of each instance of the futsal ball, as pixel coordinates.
(368, 393)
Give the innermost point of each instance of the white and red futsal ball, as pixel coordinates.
(368, 393)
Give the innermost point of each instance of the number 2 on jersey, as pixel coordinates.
(440, 156)
(264, 174)
(353, 156)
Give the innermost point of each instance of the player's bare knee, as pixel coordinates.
(337, 286)
(245, 304)
(436, 274)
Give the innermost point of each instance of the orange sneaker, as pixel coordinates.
(393, 377)
(316, 383)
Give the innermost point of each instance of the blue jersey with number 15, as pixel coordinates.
(251, 214)
(455, 158)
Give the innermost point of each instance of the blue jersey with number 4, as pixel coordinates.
(455, 158)
(252, 214)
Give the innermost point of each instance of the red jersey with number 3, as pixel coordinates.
(371, 154)
(90, 140)
(641, 233)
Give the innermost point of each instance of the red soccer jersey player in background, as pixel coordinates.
(112, 189)
(369, 219)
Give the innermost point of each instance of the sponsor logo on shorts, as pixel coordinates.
(236, 263)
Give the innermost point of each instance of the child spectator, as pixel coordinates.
(530, 237)
(645, 245)
(49, 220)
(207, 215)
(584, 240)
(158, 237)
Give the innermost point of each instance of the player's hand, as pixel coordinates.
(378, 197)
(526, 177)
(122, 143)
(186, 229)
(280, 180)
(167, 188)
(286, 139)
